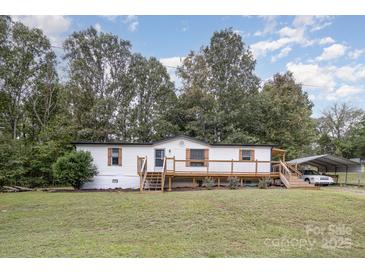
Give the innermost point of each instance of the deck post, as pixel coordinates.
(241, 182)
(174, 164)
(231, 166)
(256, 168)
(140, 183)
(193, 182)
(219, 182)
(170, 184)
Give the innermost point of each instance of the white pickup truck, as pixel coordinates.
(313, 177)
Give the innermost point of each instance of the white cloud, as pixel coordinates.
(290, 35)
(303, 20)
(172, 61)
(332, 52)
(261, 48)
(97, 26)
(287, 35)
(111, 18)
(270, 25)
(132, 22)
(354, 54)
(326, 40)
(346, 90)
(284, 52)
(314, 23)
(52, 25)
(313, 76)
(350, 73)
(332, 82)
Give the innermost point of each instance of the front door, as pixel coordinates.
(159, 156)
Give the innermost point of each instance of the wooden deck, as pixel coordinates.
(217, 169)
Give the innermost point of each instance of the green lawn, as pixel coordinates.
(352, 178)
(216, 223)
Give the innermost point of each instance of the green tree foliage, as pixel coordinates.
(74, 168)
(340, 129)
(12, 168)
(100, 90)
(154, 98)
(114, 93)
(287, 115)
(27, 73)
(360, 141)
(223, 72)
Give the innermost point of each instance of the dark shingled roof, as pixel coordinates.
(165, 140)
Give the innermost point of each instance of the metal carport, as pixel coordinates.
(329, 163)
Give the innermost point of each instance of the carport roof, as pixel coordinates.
(329, 163)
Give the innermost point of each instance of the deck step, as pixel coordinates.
(153, 181)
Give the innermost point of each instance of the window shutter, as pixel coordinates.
(187, 163)
(252, 155)
(109, 156)
(206, 156)
(119, 156)
(240, 155)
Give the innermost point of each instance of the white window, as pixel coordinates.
(115, 156)
(247, 155)
(159, 156)
(197, 154)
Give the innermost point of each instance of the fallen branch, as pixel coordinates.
(10, 189)
(21, 188)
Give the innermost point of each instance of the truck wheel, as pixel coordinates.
(307, 180)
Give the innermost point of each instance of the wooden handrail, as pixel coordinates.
(163, 174)
(292, 168)
(143, 173)
(222, 161)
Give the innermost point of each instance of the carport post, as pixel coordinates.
(346, 176)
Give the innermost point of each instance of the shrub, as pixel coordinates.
(264, 183)
(75, 168)
(208, 182)
(233, 182)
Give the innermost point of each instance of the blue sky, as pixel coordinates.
(325, 53)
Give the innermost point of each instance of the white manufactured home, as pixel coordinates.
(183, 161)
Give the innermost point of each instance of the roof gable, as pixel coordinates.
(181, 137)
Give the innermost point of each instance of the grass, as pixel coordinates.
(352, 178)
(216, 223)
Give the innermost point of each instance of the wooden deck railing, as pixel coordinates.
(142, 171)
(163, 174)
(284, 172)
(217, 166)
(294, 168)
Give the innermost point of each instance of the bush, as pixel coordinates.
(208, 183)
(12, 158)
(233, 182)
(75, 168)
(264, 183)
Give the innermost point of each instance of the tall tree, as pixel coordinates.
(225, 70)
(98, 83)
(287, 118)
(339, 125)
(27, 65)
(154, 99)
(195, 114)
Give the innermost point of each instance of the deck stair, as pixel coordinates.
(153, 181)
(290, 176)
